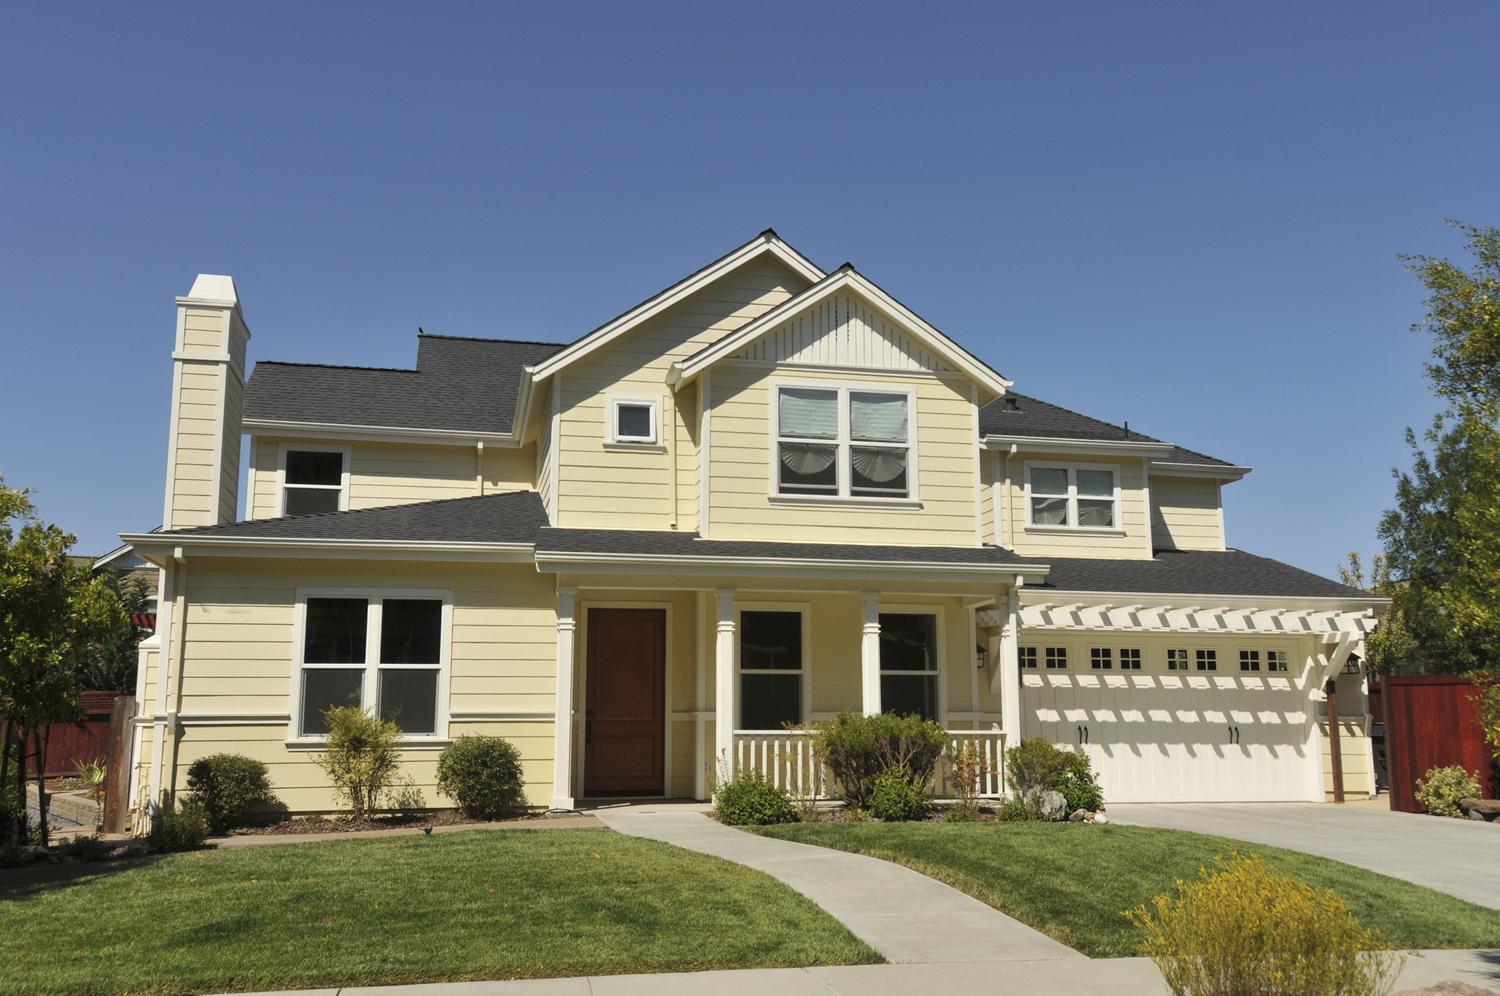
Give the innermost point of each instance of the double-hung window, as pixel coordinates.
(384, 653)
(771, 669)
(842, 442)
(909, 664)
(314, 481)
(1062, 497)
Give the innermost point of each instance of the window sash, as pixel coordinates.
(653, 420)
(289, 487)
(1074, 503)
(815, 431)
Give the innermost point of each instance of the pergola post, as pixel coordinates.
(1008, 667)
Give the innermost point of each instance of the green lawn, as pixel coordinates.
(1073, 882)
(480, 905)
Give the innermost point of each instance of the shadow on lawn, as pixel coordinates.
(33, 880)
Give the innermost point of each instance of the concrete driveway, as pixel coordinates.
(1459, 857)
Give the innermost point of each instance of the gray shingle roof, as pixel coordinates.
(466, 385)
(628, 542)
(510, 517)
(1036, 418)
(1194, 572)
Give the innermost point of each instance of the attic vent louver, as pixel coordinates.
(1012, 403)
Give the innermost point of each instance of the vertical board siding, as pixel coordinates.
(1431, 721)
(1185, 514)
(605, 487)
(843, 331)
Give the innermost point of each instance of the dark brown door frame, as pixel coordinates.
(663, 612)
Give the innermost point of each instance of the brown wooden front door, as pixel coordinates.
(625, 709)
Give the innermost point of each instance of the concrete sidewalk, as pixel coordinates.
(906, 916)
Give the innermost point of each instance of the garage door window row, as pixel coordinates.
(1132, 659)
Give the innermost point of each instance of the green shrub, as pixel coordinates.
(1078, 784)
(482, 775)
(1442, 788)
(231, 788)
(361, 758)
(751, 801)
(89, 848)
(1013, 810)
(857, 748)
(894, 797)
(1244, 928)
(180, 829)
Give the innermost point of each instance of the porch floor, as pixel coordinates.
(907, 917)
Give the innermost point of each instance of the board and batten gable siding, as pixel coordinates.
(1006, 484)
(238, 645)
(1186, 513)
(383, 474)
(623, 486)
(742, 443)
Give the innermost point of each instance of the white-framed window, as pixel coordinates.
(1057, 658)
(1249, 660)
(632, 419)
(1130, 658)
(313, 479)
(384, 651)
(1206, 660)
(1027, 656)
(1100, 659)
(1177, 659)
(844, 442)
(773, 667)
(1073, 496)
(909, 663)
(1277, 660)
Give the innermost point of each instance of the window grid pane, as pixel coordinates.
(1100, 659)
(1249, 660)
(908, 642)
(408, 698)
(314, 467)
(1130, 658)
(770, 701)
(334, 631)
(770, 641)
(909, 694)
(325, 688)
(411, 631)
(1177, 659)
(1207, 660)
(1028, 657)
(311, 501)
(1057, 658)
(1276, 660)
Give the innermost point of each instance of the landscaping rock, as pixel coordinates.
(1078, 816)
(1054, 805)
(1480, 809)
(129, 851)
(1100, 818)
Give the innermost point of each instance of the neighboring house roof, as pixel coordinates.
(509, 517)
(462, 385)
(1193, 572)
(1021, 415)
(668, 543)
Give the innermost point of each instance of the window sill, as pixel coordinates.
(642, 447)
(1075, 531)
(403, 743)
(816, 500)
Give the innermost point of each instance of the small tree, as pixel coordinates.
(361, 759)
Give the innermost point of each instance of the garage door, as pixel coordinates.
(1180, 738)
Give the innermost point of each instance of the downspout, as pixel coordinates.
(669, 421)
(1335, 754)
(479, 465)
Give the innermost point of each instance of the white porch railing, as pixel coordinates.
(785, 758)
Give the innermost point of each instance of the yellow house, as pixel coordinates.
(652, 555)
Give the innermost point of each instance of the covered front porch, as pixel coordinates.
(671, 682)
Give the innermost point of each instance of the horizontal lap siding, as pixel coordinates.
(1186, 514)
(607, 488)
(742, 435)
(1134, 518)
(239, 653)
(197, 443)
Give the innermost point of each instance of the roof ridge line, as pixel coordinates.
(334, 366)
(423, 334)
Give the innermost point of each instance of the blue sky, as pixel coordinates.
(1186, 217)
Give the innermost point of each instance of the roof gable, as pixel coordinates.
(844, 320)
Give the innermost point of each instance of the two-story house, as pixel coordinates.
(766, 494)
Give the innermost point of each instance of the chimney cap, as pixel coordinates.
(214, 287)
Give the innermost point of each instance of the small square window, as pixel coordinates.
(1208, 660)
(1100, 659)
(1130, 658)
(1177, 659)
(632, 421)
(1057, 658)
(1249, 660)
(1276, 660)
(1028, 657)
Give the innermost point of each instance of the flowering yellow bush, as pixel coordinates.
(1244, 928)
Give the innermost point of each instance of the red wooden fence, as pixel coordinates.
(86, 740)
(1432, 721)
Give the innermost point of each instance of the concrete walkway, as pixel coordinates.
(1459, 857)
(908, 917)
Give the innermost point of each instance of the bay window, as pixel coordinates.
(385, 652)
(1073, 497)
(909, 664)
(841, 442)
(771, 669)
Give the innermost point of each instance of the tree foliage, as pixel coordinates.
(1443, 537)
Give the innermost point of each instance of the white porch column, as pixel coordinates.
(869, 652)
(562, 742)
(1008, 667)
(724, 697)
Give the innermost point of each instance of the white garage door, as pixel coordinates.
(1180, 738)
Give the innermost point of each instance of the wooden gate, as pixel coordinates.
(1432, 721)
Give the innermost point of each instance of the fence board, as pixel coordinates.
(1432, 721)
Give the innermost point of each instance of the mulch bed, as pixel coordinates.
(395, 821)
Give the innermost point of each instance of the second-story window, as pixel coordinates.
(843, 443)
(1073, 497)
(633, 420)
(314, 481)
